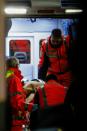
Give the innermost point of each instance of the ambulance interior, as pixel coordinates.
(25, 35)
(22, 34)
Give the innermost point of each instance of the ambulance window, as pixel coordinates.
(21, 49)
(40, 43)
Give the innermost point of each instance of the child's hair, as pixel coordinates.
(35, 80)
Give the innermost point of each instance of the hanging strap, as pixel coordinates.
(44, 97)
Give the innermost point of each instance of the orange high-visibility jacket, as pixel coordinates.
(58, 58)
(17, 98)
(52, 94)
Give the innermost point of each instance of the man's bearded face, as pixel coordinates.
(56, 42)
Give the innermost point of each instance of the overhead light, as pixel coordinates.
(73, 10)
(15, 10)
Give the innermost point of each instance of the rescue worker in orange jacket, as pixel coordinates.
(51, 94)
(56, 48)
(50, 98)
(17, 105)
